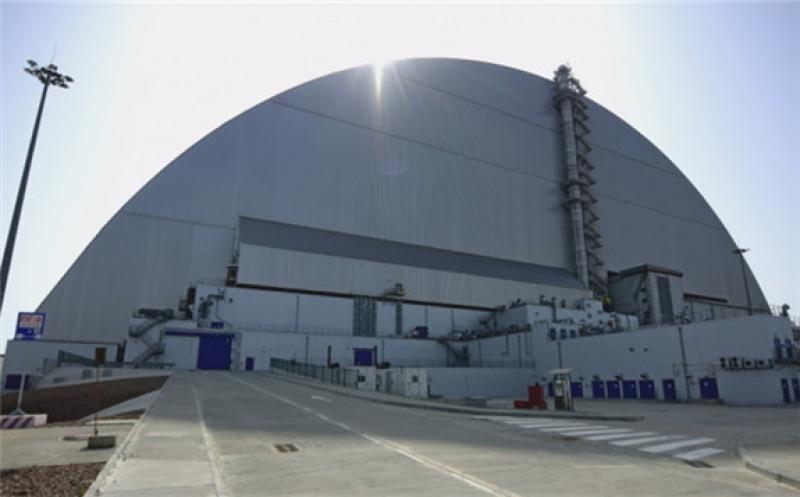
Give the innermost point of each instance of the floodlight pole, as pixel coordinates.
(740, 252)
(47, 76)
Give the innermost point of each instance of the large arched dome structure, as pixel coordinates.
(445, 176)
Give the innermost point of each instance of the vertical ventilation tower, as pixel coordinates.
(578, 183)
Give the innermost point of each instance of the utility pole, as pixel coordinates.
(48, 75)
(740, 252)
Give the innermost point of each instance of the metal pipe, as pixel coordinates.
(685, 366)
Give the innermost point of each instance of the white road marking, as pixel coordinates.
(597, 432)
(617, 436)
(656, 449)
(508, 419)
(320, 397)
(526, 421)
(640, 441)
(597, 438)
(698, 454)
(454, 473)
(551, 425)
(211, 452)
(572, 428)
(604, 466)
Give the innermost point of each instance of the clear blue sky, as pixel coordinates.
(715, 86)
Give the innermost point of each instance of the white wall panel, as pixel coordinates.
(181, 351)
(480, 382)
(656, 352)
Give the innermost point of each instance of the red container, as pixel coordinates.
(536, 397)
(522, 404)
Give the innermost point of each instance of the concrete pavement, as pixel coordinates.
(249, 434)
(46, 446)
(777, 460)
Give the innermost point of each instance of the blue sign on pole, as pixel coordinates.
(30, 326)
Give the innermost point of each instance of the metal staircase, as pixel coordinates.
(153, 347)
(460, 357)
(579, 181)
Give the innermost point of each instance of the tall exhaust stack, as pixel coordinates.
(569, 100)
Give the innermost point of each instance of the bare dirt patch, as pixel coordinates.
(67, 480)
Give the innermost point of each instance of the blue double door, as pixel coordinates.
(647, 389)
(708, 388)
(363, 357)
(631, 389)
(669, 390)
(214, 352)
(598, 389)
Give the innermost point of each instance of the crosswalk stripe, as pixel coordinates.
(495, 418)
(536, 422)
(598, 432)
(698, 454)
(655, 449)
(597, 438)
(549, 426)
(621, 437)
(640, 441)
(579, 426)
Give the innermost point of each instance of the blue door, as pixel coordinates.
(215, 352)
(577, 389)
(551, 390)
(612, 387)
(669, 389)
(796, 388)
(708, 388)
(362, 357)
(249, 363)
(647, 389)
(778, 348)
(785, 387)
(598, 390)
(629, 389)
(13, 381)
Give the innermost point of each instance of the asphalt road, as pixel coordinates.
(247, 434)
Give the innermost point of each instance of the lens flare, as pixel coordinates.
(378, 69)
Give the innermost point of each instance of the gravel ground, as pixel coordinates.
(77, 401)
(68, 480)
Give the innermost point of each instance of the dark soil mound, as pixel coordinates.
(77, 401)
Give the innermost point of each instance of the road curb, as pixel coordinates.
(95, 488)
(760, 469)
(400, 402)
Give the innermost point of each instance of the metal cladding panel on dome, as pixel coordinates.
(326, 242)
(459, 156)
